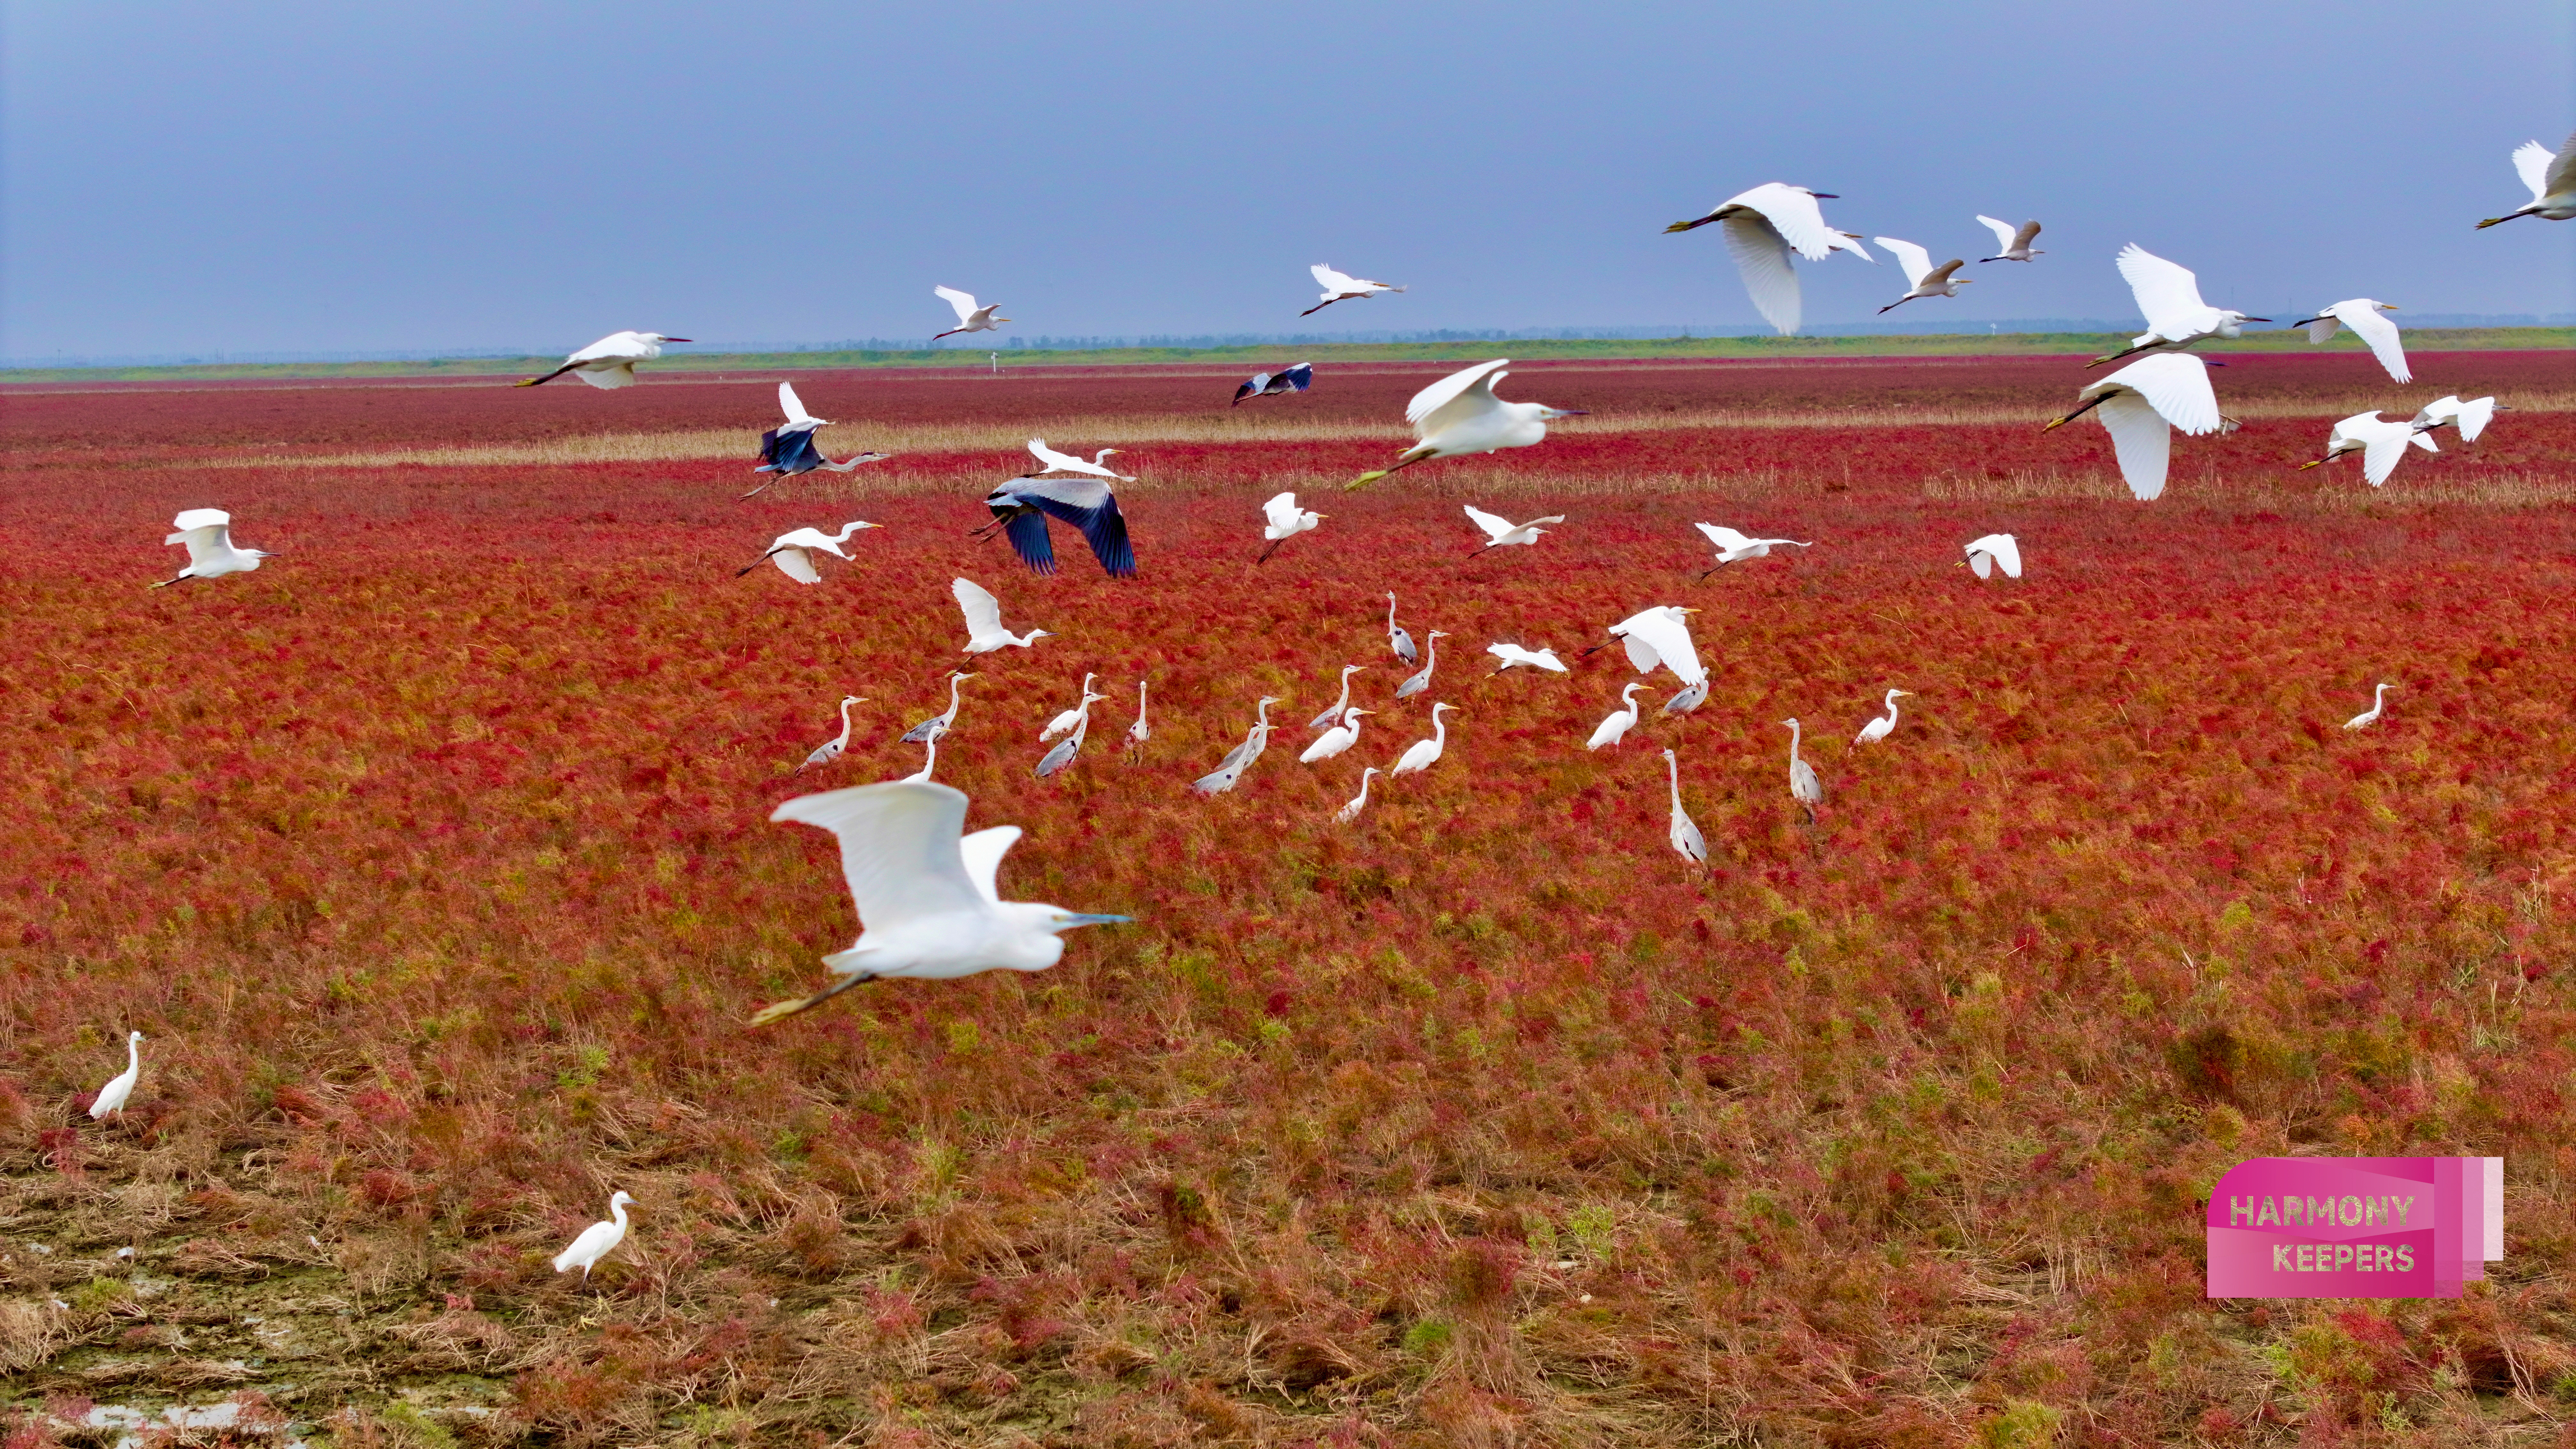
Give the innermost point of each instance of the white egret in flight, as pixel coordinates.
(596, 1241)
(984, 631)
(1614, 726)
(1337, 739)
(830, 750)
(2470, 417)
(1423, 754)
(1879, 729)
(2136, 405)
(1071, 717)
(1659, 636)
(208, 533)
(2361, 314)
(1514, 655)
(939, 724)
(1282, 383)
(2012, 244)
(609, 362)
(1333, 715)
(2381, 442)
(2370, 716)
(1503, 533)
(970, 316)
(1804, 787)
(1055, 462)
(120, 1088)
(1923, 278)
(1063, 754)
(1764, 229)
(1284, 520)
(2552, 179)
(1396, 638)
(794, 550)
(2169, 297)
(1985, 554)
(1734, 547)
(1139, 732)
(1685, 835)
(1359, 802)
(1420, 679)
(1342, 287)
(789, 449)
(923, 912)
(1459, 414)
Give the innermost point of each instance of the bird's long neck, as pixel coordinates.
(1390, 613)
(952, 695)
(617, 1210)
(1793, 744)
(1439, 730)
(133, 1055)
(932, 757)
(1434, 656)
(1673, 768)
(846, 530)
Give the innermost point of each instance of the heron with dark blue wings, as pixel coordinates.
(1022, 506)
(1276, 384)
(788, 449)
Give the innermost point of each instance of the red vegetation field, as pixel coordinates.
(432, 860)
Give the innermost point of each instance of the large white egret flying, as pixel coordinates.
(1804, 787)
(120, 1088)
(1071, 717)
(1764, 228)
(1995, 549)
(984, 631)
(1659, 636)
(1359, 802)
(1284, 520)
(1684, 835)
(922, 912)
(1734, 547)
(939, 724)
(794, 550)
(1337, 739)
(2012, 244)
(1342, 287)
(1420, 679)
(2135, 406)
(1396, 638)
(1055, 462)
(1880, 728)
(2361, 314)
(1503, 533)
(789, 449)
(1514, 656)
(2370, 716)
(1459, 414)
(971, 316)
(2381, 442)
(830, 750)
(2168, 296)
(2470, 417)
(1423, 754)
(1615, 725)
(208, 533)
(2552, 179)
(1921, 277)
(596, 1241)
(609, 362)
(1333, 716)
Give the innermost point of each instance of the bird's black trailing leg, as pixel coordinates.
(755, 563)
(784, 1009)
(549, 377)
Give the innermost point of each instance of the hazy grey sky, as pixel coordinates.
(259, 177)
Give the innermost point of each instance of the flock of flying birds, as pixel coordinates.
(927, 891)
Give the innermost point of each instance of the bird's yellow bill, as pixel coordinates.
(1365, 479)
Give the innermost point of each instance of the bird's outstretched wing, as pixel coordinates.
(983, 852)
(1669, 640)
(1333, 282)
(2140, 439)
(1762, 256)
(2474, 416)
(2372, 326)
(797, 565)
(2531, 163)
(2175, 385)
(2029, 233)
(983, 612)
(203, 530)
(1794, 215)
(1298, 378)
(630, 345)
(609, 378)
(964, 302)
(2003, 231)
(2168, 295)
(794, 407)
(1253, 386)
(789, 453)
(1726, 539)
(1493, 527)
(2561, 175)
(1054, 460)
(1281, 512)
(1026, 528)
(899, 848)
(1916, 262)
(1995, 548)
(1087, 504)
(1426, 411)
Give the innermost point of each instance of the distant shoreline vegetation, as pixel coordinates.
(1425, 347)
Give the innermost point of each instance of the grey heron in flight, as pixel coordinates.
(1285, 381)
(789, 448)
(1022, 506)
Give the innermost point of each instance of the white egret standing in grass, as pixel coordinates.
(1063, 754)
(794, 550)
(1139, 732)
(929, 758)
(1072, 463)
(984, 631)
(1359, 802)
(1985, 554)
(609, 362)
(1284, 520)
(2469, 417)
(1503, 533)
(1459, 414)
(2552, 179)
(1804, 787)
(1420, 679)
(1071, 717)
(2361, 314)
(208, 533)
(1333, 716)
(939, 724)
(971, 315)
(1396, 638)
(2169, 297)
(2381, 442)
(1764, 228)
(1614, 726)
(1923, 278)
(1879, 729)
(1659, 636)
(2370, 716)
(1342, 287)
(1685, 835)
(2012, 244)
(2137, 403)
(1337, 739)
(596, 1241)
(120, 1088)
(1423, 754)
(830, 750)
(1514, 655)
(922, 912)
(1734, 547)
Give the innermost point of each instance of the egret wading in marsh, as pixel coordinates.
(1359, 802)
(120, 1088)
(939, 724)
(609, 362)
(1688, 843)
(1420, 679)
(2140, 406)
(1139, 732)
(929, 758)
(794, 550)
(789, 449)
(1229, 771)
(1423, 754)
(1333, 716)
(1396, 638)
(1880, 728)
(1067, 720)
(1804, 787)
(208, 534)
(984, 631)
(924, 912)
(2370, 716)
(1459, 414)
(1063, 754)
(1615, 725)
(830, 750)
(596, 1241)
(1337, 739)
(1765, 228)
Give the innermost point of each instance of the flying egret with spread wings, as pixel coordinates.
(1764, 228)
(208, 533)
(923, 911)
(2381, 442)
(1659, 637)
(2135, 406)
(2361, 314)
(1282, 520)
(1282, 383)
(970, 316)
(1925, 279)
(1459, 414)
(1503, 533)
(1055, 462)
(790, 449)
(1022, 506)
(609, 362)
(2012, 244)
(794, 550)
(2470, 417)
(984, 631)
(2168, 296)
(1734, 547)
(2552, 179)
(1342, 287)
(1992, 551)
(1514, 656)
